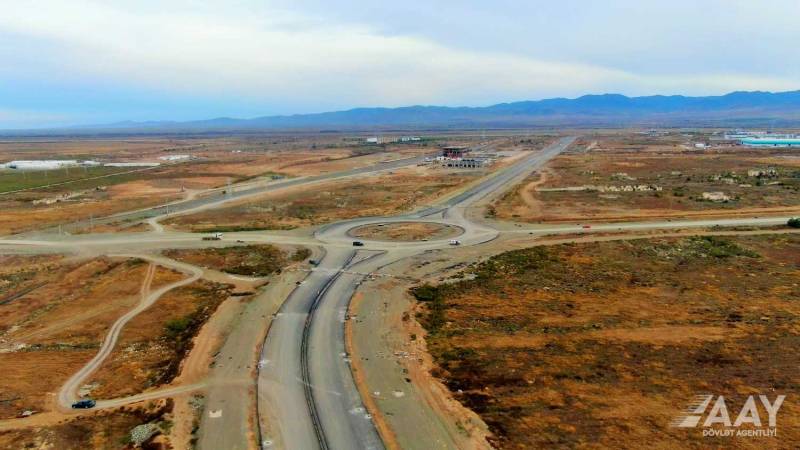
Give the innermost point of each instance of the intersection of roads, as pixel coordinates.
(305, 393)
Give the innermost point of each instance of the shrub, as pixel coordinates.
(176, 327)
(425, 293)
(794, 222)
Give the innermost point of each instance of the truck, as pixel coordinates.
(455, 242)
(213, 237)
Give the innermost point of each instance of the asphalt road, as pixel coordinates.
(217, 198)
(304, 355)
(340, 411)
(282, 388)
(226, 421)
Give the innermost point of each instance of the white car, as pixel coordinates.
(455, 242)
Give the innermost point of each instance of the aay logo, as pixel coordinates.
(719, 415)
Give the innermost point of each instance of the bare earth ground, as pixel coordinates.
(46, 304)
(603, 344)
(57, 321)
(405, 231)
(153, 345)
(682, 176)
(215, 163)
(328, 202)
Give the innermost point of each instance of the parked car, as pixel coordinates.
(86, 403)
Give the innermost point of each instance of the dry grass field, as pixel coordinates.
(251, 260)
(53, 316)
(153, 345)
(602, 345)
(362, 197)
(628, 177)
(214, 163)
(55, 312)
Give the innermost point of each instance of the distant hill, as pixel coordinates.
(780, 109)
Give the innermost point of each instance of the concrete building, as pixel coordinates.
(466, 163)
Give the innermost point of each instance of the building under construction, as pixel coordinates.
(454, 152)
(466, 163)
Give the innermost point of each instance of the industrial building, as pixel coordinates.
(51, 164)
(771, 142)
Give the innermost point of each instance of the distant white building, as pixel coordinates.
(41, 164)
(410, 139)
(174, 157)
(372, 140)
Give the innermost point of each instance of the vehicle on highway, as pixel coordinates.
(86, 403)
(358, 244)
(313, 262)
(213, 237)
(587, 226)
(455, 242)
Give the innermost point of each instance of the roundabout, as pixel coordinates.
(406, 231)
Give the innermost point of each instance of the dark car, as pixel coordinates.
(358, 244)
(84, 404)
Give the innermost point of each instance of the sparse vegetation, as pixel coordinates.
(626, 177)
(369, 196)
(547, 343)
(252, 260)
(154, 344)
(106, 430)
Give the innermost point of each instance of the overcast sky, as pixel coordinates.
(79, 61)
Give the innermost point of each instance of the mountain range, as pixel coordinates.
(780, 109)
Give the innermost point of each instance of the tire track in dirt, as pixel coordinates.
(68, 392)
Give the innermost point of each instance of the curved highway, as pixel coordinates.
(306, 390)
